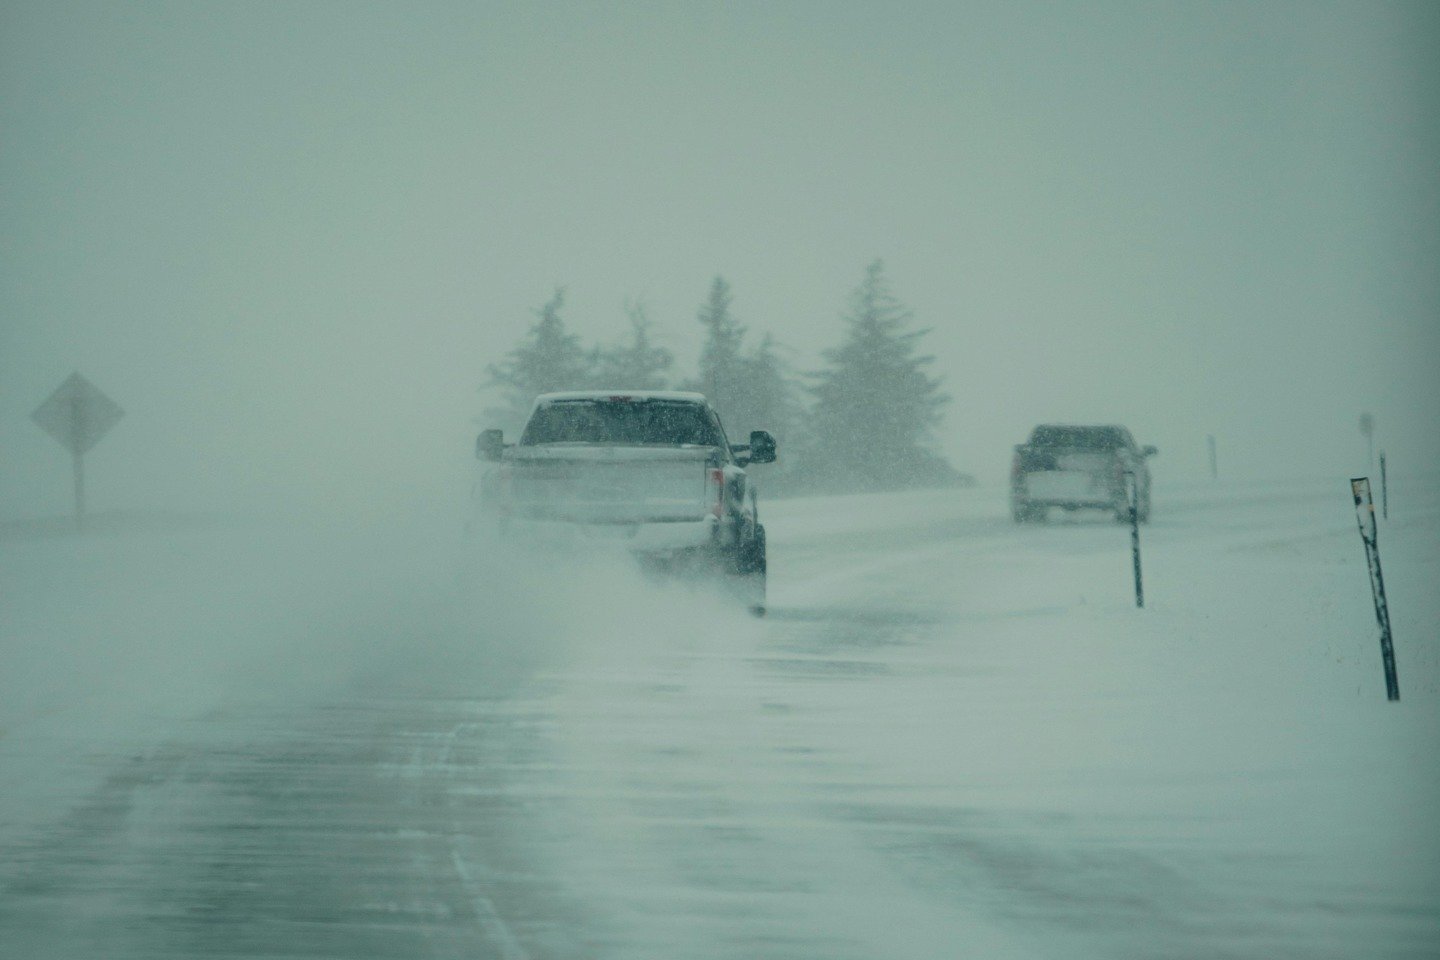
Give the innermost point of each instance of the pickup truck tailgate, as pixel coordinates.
(610, 484)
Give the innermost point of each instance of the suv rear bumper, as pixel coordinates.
(1070, 489)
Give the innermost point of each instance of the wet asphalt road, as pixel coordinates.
(439, 826)
(662, 793)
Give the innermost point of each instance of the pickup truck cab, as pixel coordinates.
(1073, 467)
(651, 469)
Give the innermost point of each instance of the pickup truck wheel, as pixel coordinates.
(750, 569)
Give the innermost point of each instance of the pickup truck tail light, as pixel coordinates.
(715, 491)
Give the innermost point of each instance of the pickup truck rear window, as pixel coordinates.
(622, 422)
(1092, 439)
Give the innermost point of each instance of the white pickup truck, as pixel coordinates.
(652, 469)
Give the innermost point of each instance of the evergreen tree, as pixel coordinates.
(874, 405)
(750, 390)
(636, 365)
(720, 365)
(549, 358)
(768, 397)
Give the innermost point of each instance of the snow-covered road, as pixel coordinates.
(952, 737)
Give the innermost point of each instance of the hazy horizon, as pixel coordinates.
(288, 240)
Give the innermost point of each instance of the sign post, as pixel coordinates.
(78, 415)
(1365, 516)
(1132, 492)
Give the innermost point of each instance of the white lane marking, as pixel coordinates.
(490, 920)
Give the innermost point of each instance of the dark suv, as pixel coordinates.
(1078, 466)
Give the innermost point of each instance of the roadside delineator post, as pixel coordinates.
(1365, 516)
(1132, 492)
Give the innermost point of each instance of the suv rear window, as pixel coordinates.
(623, 422)
(1096, 439)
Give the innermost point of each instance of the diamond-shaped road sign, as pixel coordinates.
(78, 414)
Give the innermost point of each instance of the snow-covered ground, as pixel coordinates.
(952, 736)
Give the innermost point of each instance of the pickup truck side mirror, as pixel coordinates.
(762, 447)
(490, 445)
(1148, 451)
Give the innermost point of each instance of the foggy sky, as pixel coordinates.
(288, 238)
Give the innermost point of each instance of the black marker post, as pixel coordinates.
(1384, 489)
(1365, 516)
(1133, 490)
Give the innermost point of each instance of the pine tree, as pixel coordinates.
(768, 396)
(548, 359)
(749, 390)
(636, 365)
(875, 408)
(720, 364)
